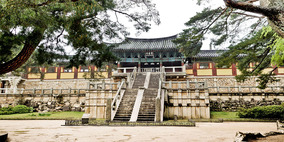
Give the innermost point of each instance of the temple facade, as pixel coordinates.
(152, 81)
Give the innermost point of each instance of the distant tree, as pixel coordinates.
(50, 25)
(248, 35)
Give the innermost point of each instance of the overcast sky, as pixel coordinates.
(173, 15)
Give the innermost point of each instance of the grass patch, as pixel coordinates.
(231, 117)
(43, 116)
(223, 115)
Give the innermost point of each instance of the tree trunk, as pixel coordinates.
(278, 26)
(30, 45)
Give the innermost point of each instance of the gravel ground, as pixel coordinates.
(52, 131)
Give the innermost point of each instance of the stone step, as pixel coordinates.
(121, 119)
(146, 119)
(123, 114)
(146, 116)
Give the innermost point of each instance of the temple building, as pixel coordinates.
(149, 55)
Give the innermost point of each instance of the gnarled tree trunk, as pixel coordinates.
(278, 26)
(272, 9)
(31, 43)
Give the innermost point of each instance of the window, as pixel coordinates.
(67, 70)
(34, 70)
(84, 69)
(204, 65)
(51, 70)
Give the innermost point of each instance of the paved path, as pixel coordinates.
(52, 131)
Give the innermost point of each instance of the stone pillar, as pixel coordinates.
(158, 110)
(108, 110)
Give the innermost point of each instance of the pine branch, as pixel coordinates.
(265, 55)
(269, 12)
(207, 28)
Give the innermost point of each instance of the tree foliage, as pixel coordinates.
(247, 37)
(51, 25)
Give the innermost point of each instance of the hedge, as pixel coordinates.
(16, 109)
(273, 111)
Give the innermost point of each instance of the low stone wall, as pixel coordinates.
(233, 102)
(46, 102)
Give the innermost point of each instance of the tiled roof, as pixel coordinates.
(153, 44)
(159, 44)
(209, 53)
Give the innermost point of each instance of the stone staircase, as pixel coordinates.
(126, 105)
(139, 81)
(154, 81)
(147, 107)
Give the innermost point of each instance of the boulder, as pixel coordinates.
(66, 108)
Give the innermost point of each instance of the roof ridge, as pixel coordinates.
(152, 39)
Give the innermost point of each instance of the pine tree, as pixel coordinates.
(256, 43)
(50, 25)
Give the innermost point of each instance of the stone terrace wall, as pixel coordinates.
(57, 84)
(230, 81)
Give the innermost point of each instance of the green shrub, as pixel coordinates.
(16, 109)
(44, 114)
(6, 110)
(273, 111)
(22, 109)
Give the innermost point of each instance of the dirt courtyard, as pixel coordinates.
(52, 131)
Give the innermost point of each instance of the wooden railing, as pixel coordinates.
(125, 69)
(117, 99)
(174, 69)
(150, 69)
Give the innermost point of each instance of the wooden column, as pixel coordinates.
(234, 69)
(75, 73)
(58, 72)
(194, 69)
(214, 70)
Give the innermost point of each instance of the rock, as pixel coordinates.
(240, 137)
(4, 105)
(58, 108)
(77, 108)
(66, 108)
(175, 117)
(82, 109)
(3, 137)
